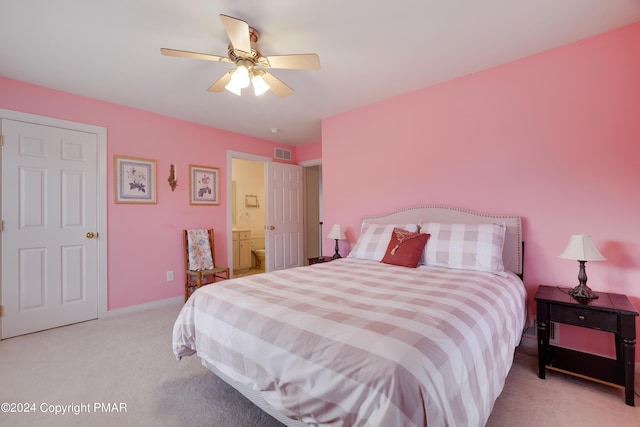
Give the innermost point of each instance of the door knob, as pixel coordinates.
(90, 235)
(271, 227)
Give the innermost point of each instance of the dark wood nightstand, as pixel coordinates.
(319, 259)
(610, 312)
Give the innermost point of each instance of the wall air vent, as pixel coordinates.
(282, 154)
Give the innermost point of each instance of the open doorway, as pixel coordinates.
(248, 217)
(283, 213)
(313, 211)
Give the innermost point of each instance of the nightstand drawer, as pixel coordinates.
(584, 317)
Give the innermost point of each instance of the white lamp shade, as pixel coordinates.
(581, 248)
(233, 87)
(336, 233)
(259, 85)
(241, 76)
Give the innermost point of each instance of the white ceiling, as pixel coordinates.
(369, 50)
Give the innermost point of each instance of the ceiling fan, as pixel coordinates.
(251, 66)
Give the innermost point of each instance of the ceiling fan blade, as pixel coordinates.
(303, 61)
(194, 55)
(221, 83)
(280, 89)
(238, 32)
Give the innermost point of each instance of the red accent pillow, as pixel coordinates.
(405, 248)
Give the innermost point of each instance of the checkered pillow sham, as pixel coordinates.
(464, 246)
(374, 240)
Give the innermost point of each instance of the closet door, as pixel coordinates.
(50, 239)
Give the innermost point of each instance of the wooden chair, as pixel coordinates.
(195, 278)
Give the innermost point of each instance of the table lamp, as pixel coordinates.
(582, 249)
(336, 233)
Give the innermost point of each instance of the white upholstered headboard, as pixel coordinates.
(512, 255)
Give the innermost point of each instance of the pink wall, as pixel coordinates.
(312, 151)
(144, 241)
(554, 137)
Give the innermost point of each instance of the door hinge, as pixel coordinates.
(1, 140)
(1, 225)
(1, 310)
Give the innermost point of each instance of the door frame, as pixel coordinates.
(230, 156)
(306, 164)
(101, 208)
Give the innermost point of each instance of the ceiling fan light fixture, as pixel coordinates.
(241, 76)
(243, 51)
(259, 85)
(233, 88)
(239, 79)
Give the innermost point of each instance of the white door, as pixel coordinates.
(284, 222)
(49, 241)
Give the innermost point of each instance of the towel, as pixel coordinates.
(199, 250)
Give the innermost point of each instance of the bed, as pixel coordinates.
(364, 341)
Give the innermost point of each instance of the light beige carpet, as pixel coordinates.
(560, 400)
(121, 371)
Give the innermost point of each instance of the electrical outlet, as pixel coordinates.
(170, 276)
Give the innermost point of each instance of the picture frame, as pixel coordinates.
(135, 180)
(204, 185)
(251, 201)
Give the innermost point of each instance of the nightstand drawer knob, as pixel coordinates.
(581, 317)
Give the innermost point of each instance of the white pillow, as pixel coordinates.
(374, 239)
(464, 246)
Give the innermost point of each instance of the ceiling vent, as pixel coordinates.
(282, 154)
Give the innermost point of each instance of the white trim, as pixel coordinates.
(146, 306)
(230, 156)
(101, 168)
(309, 163)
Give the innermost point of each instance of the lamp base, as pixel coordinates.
(582, 293)
(337, 254)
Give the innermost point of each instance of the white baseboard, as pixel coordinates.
(146, 306)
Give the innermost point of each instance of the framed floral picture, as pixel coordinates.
(204, 183)
(135, 180)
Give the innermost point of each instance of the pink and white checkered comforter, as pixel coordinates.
(354, 342)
